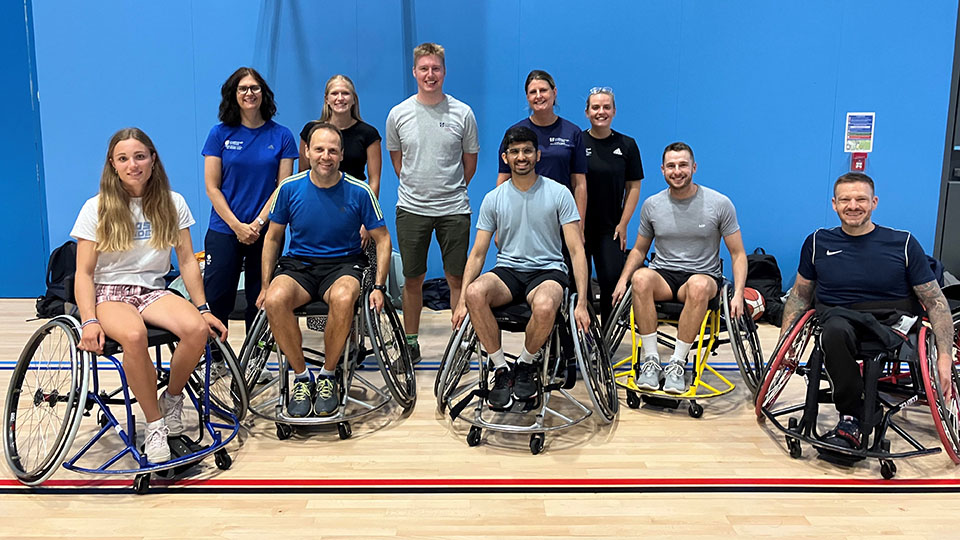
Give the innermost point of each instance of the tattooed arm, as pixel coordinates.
(938, 312)
(799, 301)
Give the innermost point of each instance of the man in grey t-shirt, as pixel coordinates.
(687, 220)
(529, 212)
(433, 144)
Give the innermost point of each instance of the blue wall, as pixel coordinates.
(759, 89)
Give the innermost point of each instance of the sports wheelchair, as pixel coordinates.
(741, 333)
(55, 384)
(894, 379)
(267, 374)
(465, 354)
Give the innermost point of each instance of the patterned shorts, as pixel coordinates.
(135, 295)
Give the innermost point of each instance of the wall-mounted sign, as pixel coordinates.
(859, 132)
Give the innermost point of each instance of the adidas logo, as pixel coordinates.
(270, 147)
(617, 152)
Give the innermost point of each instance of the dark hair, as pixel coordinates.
(851, 177)
(327, 126)
(676, 147)
(539, 74)
(230, 109)
(519, 134)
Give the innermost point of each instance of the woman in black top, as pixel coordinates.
(614, 172)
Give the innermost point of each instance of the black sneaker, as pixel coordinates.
(525, 380)
(414, 351)
(500, 395)
(847, 433)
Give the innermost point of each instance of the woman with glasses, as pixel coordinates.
(245, 157)
(614, 172)
(562, 154)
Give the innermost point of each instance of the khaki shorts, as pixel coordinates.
(413, 239)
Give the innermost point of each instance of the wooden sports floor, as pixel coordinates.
(651, 472)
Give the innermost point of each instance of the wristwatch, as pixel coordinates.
(381, 288)
(261, 222)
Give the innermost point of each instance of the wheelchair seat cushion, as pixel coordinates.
(513, 317)
(317, 307)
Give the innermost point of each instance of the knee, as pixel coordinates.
(275, 302)
(132, 339)
(196, 331)
(700, 291)
(476, 295)
(343, 297)
(413, 284)
(641, 281)
(544, 307)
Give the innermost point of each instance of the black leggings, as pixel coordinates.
(605, 252)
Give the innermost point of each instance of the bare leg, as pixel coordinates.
(485, 292)
(182, 318)
(341, 297)
(412, 303)
(123, 324)
(695, 294)
(544, 301)
(455, 283)
(283, 296)
(648, 287)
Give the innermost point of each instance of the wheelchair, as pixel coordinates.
(456, 390)
(266, 373)
(55, 385)
(708, 382)
(894, 379)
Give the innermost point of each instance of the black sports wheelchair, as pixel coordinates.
(55, 385)
(894, 378)
(553, 407)
(267, 374)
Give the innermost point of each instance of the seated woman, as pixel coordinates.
(124, 236)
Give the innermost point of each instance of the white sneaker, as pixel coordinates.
(155, 445)
(172, 410)
(673, 379)
(648, 373)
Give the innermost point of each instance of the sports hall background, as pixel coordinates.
(759, 89)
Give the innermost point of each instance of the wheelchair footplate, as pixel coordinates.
(181, 445)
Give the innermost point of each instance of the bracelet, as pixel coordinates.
(381, 288)
(203, 308)
(88, 322)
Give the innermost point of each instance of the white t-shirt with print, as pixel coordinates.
(140, 265)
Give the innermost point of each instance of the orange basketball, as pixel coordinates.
(753, 303)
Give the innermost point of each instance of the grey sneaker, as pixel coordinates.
(300, 399)
(414, 351)
(648, 374)
(327, 400)
(155, 445)
(673, 380)
(172, 410)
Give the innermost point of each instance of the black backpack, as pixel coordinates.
(436, 294)
(763, 274)
(60, 271)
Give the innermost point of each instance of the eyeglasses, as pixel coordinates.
(252, 89)
(601, 90)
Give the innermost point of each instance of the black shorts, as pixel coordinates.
(316, 275)
(521, 282)
(676, 278)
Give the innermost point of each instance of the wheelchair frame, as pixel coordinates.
(464, 351)
(85, 393)
(399, 380)
(883, 375)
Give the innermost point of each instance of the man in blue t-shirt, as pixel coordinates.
(867, 268)
(324, 209)
(528, 212)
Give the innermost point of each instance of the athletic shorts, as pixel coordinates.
(676, 278)
(413, 239)
(135, 295)
(521, 282)
(316, 275)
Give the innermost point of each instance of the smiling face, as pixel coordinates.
(541, 96)
(324, 152)
(429, 72)
(854, 203)
(521, 157)
(249, 93)
(600, 110)
(678, 168)
(133, 162)
(340, 97)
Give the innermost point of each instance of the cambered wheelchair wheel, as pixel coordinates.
(745, 342)
(257, 347)
(785, 361)
(228, 391)
(946, 414)
(45, 401)
(390, 348)
(595, 365)
(455, 362)
(619, 324)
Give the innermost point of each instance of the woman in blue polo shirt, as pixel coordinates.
(245, 156)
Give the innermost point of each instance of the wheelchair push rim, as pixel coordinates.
(784, 361)
(390, 347)
(946, 415)
(595, 364)
(742, 333)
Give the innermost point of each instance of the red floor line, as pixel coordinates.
(508, 482)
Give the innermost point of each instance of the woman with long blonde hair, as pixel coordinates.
(124, 236)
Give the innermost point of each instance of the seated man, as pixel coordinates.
(324, 209)
(528, 212)
(687, 220)
(867, 268)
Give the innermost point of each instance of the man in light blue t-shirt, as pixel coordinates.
(530, 213)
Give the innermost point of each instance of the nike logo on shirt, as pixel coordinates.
(834, 252)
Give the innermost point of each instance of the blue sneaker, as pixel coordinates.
(328, 399)
(300, 398)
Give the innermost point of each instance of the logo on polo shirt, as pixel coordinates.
(589, 151)
(834, 252)
(232, 145)
(617, 152)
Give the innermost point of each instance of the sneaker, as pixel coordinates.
(847, 433)
(172, 409)
(327, 400)
(300, 398)
(673, 380)
(500, 395)
(525, 380)
(218, 369)
(156, 446)
(648, 374)
(414, 351)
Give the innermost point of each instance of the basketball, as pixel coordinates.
(753, 303)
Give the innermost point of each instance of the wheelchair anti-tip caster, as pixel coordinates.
(141, 483)
(695, 410)
(633, 400)
(222, 459)
(888, 469)
(536, 443)
(345, 430)
(284, 431)
(473, 438)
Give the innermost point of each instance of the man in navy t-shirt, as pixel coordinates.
(865, 267)
(324, 209)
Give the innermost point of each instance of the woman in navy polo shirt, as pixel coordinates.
(245, 156)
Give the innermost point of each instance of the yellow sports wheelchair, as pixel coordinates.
(707, 381)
